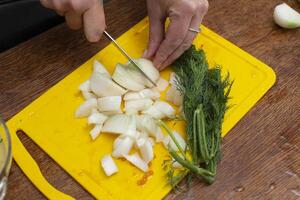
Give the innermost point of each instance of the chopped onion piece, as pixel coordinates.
(117, 124)
(108, 165)
(97, 118)
(112, 112)
(88, 95)
(146, 151)
(124, 146)
(132, 96)
(286, 17)
(151, 141)
(159, 135)
(165, 108)
(162, 84)
(85, 86)
(146, 123)
(86, 108)
(110, 103)
(148, 68)
(154, 112)
(103, 86)
(177, 98)
(170, 94)
(99, 68)
(138, 105)
(149, 94)
(126, 77)
(136, 160)
(95, 132)
(131, 130)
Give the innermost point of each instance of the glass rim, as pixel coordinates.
(9, 151)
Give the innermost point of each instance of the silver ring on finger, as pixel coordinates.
(195, 30)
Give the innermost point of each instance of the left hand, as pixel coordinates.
(163, 47)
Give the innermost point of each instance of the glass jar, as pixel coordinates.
(5, 157)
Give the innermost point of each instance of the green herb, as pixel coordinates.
(1, 140)
(205, 96)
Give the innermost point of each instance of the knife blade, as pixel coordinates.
(127, 56)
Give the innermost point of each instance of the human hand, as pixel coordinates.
(78, 13)
(163, 47)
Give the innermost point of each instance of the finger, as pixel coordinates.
(74, 20)
(47, 4)
(94, 22)
(156, 35)
(175, 35)
(190, 36)
(61, 6)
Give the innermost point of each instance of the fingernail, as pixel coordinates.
(145, 53)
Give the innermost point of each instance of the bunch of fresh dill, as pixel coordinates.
(205, 96)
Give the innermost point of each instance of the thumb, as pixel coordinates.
(156, 35)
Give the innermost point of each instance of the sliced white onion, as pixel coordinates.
(165, 108)
(162, 84)
(112, 112)
(154, 112)
(123, 147)
(108, 165)
(177, 98)
(97, 118)
(110, 103)
(126, 78)
(117, 124)
(132, 96)
(159, 137)
(286, 17)
(149, 69)
(85, 86)
(99, 68)
(103, 86)
(180, 141)
(86, 108)
(138, 105)
(131, 130)
(146, 151)
(136, 160)
(151, 141)
(149, 94)
(146, 123)
(95, 132)
(170, 94)
(88, 95)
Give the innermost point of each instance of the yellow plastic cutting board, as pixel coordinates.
(50, 121)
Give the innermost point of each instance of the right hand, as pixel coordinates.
(88, 14)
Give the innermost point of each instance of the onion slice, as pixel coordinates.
(85, 86)
(97, 118)
(146, 151)
(117, 124)
(162, 84)
(95, 132)
(122, 146)
(127, 77)
(103, 86)
(136, 160)
(86, 108)
(110, 103)
(108, 165)
(99, 68)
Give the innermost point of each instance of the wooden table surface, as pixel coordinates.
(261, 155)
